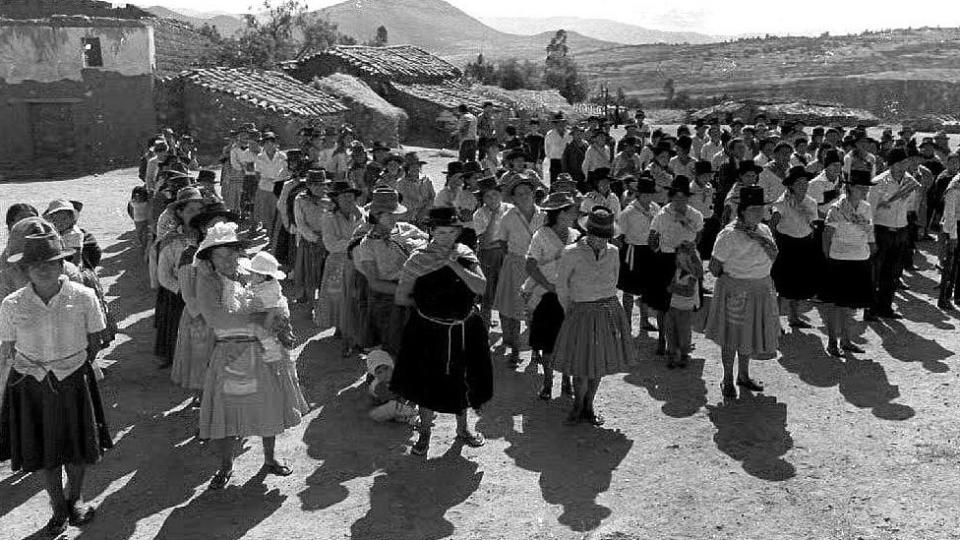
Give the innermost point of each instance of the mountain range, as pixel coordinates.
(628, 34)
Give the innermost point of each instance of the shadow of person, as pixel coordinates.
(753, 431)
(224, 515)
(18, 488)
(864, 384)
(410, 499)
(803, 355)
(907, 346)
(514, 392)
(575, 463)
(349, 444)
(682, 391)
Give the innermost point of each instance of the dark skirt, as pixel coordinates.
(387, 321)
(444, 368)
(167, 320)
(848, 283)
(545, 326)
(796, 270)
(663, 268)
(636, 269)
(711, 228)
(49, 423)
(285, 249)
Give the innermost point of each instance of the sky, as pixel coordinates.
(715, 17)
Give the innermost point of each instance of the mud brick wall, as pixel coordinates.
(422, 128)
(178, 47)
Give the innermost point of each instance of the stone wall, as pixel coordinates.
(423, 128)
(179, 46)
(37, 9)
(373, 118)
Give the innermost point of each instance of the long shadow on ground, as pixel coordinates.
(753, 431)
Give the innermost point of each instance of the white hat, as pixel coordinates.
(264, 264)
(221, 234)
(377, 358)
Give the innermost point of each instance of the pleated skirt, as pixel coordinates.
(509, 301)
(594, 340)
(796, 271)
(848, 284)
(167, 317)
(243, 396)
(744, 315)
(355, 323)
(329, 310)
(308, 270)
(195, 341)
(49, 423)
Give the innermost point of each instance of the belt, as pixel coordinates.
(450, 324)
(891, 229)
(237, 339)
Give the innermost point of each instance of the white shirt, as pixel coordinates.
(517, 232)
(546, 248)
(742, 256)
(893, 215)
(687, 169)
(795, 219)
(584, 277)
(554, 144)
(486, 223)
(467, 127)
(635, 223)
(817, 189)
(853, 230)
(271, 169)
(595, 159)
(675, 229)
(710, 150)
(772, 185)
(951, 208)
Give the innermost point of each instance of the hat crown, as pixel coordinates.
(264, 263)
(444, 216)
(218, 235)
(59, 205)
(454, 167)
(316, 175)
(600, 222)
(557, 200)
(859, 177)
(384, 198)
(189, 194)
(42, 247)
(751, 196)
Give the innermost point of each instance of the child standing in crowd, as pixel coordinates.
(139, 210)
(486, 223)
(684, 300)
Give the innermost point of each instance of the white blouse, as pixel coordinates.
(853, 230)
(635, 223)
(795, 219)
(742, 256)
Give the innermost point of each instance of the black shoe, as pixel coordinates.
(566, 387)
(833, 350)
(81, 514)
(546, 393)
(593, 418)
(57, 525)
(750, 384)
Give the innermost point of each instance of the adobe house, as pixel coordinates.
(426, 86)
(209, 102)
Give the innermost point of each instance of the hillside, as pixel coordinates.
(227, 25)
(604, 29)
(887, 72)
(444, 30)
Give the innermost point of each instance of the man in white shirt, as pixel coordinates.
(892, 196)
(467, 134)
(555, 142)
(714, 146)
(700, 138)
(271, 167)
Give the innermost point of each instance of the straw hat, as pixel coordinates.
(60, 205)
(600, 222)
(41, 248)
(264, 264)
(221, 234)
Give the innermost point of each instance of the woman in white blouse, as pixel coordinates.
(543, 261)
(636, 257)
(848, 244)
(338, 228)
(949, 261)
(797, 268)
(743, 318)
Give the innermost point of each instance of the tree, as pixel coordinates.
(510, 74)
(481, 71)
(561, 72)
(379, 40)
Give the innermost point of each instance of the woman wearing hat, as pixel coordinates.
(824, 188)
(51, 415)
(380, 256)
(748, 175)
(516, 230)
(796, 269)
(597, 155)
(950, 259)
(169, 307)
(310, 206)
(743, 318)
(243, 395)
(600, 193)
(392, 171)
(18, 211)
(343, 155)
(12, 276)
(444, 362)
(659, 169)
(543, 261)
(636, 258)
(676, 223)
(594, 338)
(242, 157)
(486, 224)
(455, 195)
(337, 230)
(848, 244)
(195, 339)
(416, 189)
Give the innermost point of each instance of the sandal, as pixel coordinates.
(850, 347)
(546, 393)
(422, 445)
(80, 514)
(221, 479)
(277, 469)
(750, 384)
(473, 440)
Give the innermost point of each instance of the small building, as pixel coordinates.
(209, 102)
(372, 117)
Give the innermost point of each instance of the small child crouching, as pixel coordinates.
(387, 406)
(684, 300)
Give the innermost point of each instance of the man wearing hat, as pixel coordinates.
(771, 178)
(309, 209)
(627, 162)
(860, 157)
(891, 199)
(555, 142)
(416, 189)
(243, 155)
(574, 153)
(467, 135)
(597, 155)
(533, 144)
(270, 167)
(376, 166)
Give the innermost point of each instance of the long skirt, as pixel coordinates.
(243, 396)
(657, 296)
(491, 260)
(594, 340)
(329, 310)
(444, 368)
(285, 246)
(167, 314)
(546, 322)
(387, 321)
(49, 423)
(744, 316)
(265, 209)
(636, 269)
(90, 279)
(231, 188)
(711, 228)
(848, 283)
(797, 268)
(308, 270)
(509, 299)
(195, 341)
(355, 314)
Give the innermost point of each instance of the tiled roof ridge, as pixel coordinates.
(399, 62)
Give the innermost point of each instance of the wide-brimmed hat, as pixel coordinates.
(24, 228)
(342, 186)
(210, 212)
(393, 156)
(600, 222)
(859, 177)
(750, 196)
(207, 175)
(444, 216)
(60, 205)
(663, 147)
(264, 264)
(564, 185)
(748, 165)
(517, 154)
(798, 172)
(472, 167)
(40, 248)
(268, 136)
(185, 196)
(927, 141)
(557, 200)
(221, 234)
(830, 157)
(454, 167)
(646, 184)
(485, 184)
(680, 184)
(385, 200)
(521, 179)
(896, 156)
(379, 146)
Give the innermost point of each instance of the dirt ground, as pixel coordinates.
(860, 448)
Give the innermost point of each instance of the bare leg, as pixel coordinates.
(226, 453)
(546, 390)
(843, 325)
(269, 450)
(727, 358)
(743, 365)
(661, 336)
(628, 303)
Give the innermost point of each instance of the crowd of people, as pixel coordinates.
(560, 231)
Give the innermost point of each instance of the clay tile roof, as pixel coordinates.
(400, 62)
(265, 89)
(448, 95)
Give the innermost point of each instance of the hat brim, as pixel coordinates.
(613, 230)
(400, 209)
(204, 218)
(356, 192)
(204, 254)
(18, 257)
(176, 205)
(246, 264)
(552, 207)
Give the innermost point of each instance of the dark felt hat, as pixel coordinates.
(40, 248)
(702, 167)
(830, 157)
(751, 196)
(859, 177)
(472, 167)
(211, 212)
(412, 157)
(454, 167)
(646, 184)
(798, 172)
(385, 200)
(518, 180)
(317, 176)
(748, 165)
(598, 174)
(379, 146)
(486, 184)
(680, 184)
(444, 216)
(600, 222)
(896, 156)
(393, 156)
(207, 175)
(517, 154)
(342, 186)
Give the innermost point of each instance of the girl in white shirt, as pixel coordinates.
(795, 270)
(948, 238)
(636, 257)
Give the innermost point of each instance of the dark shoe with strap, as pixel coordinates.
(471, 439)
(57, 524)
(850, 347)
(277, 469)
(749, 384)
(221, 479)
(800, 325)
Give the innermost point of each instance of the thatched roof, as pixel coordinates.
(269, 90)
(448, 95)
(806, 111)
(403, 63)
